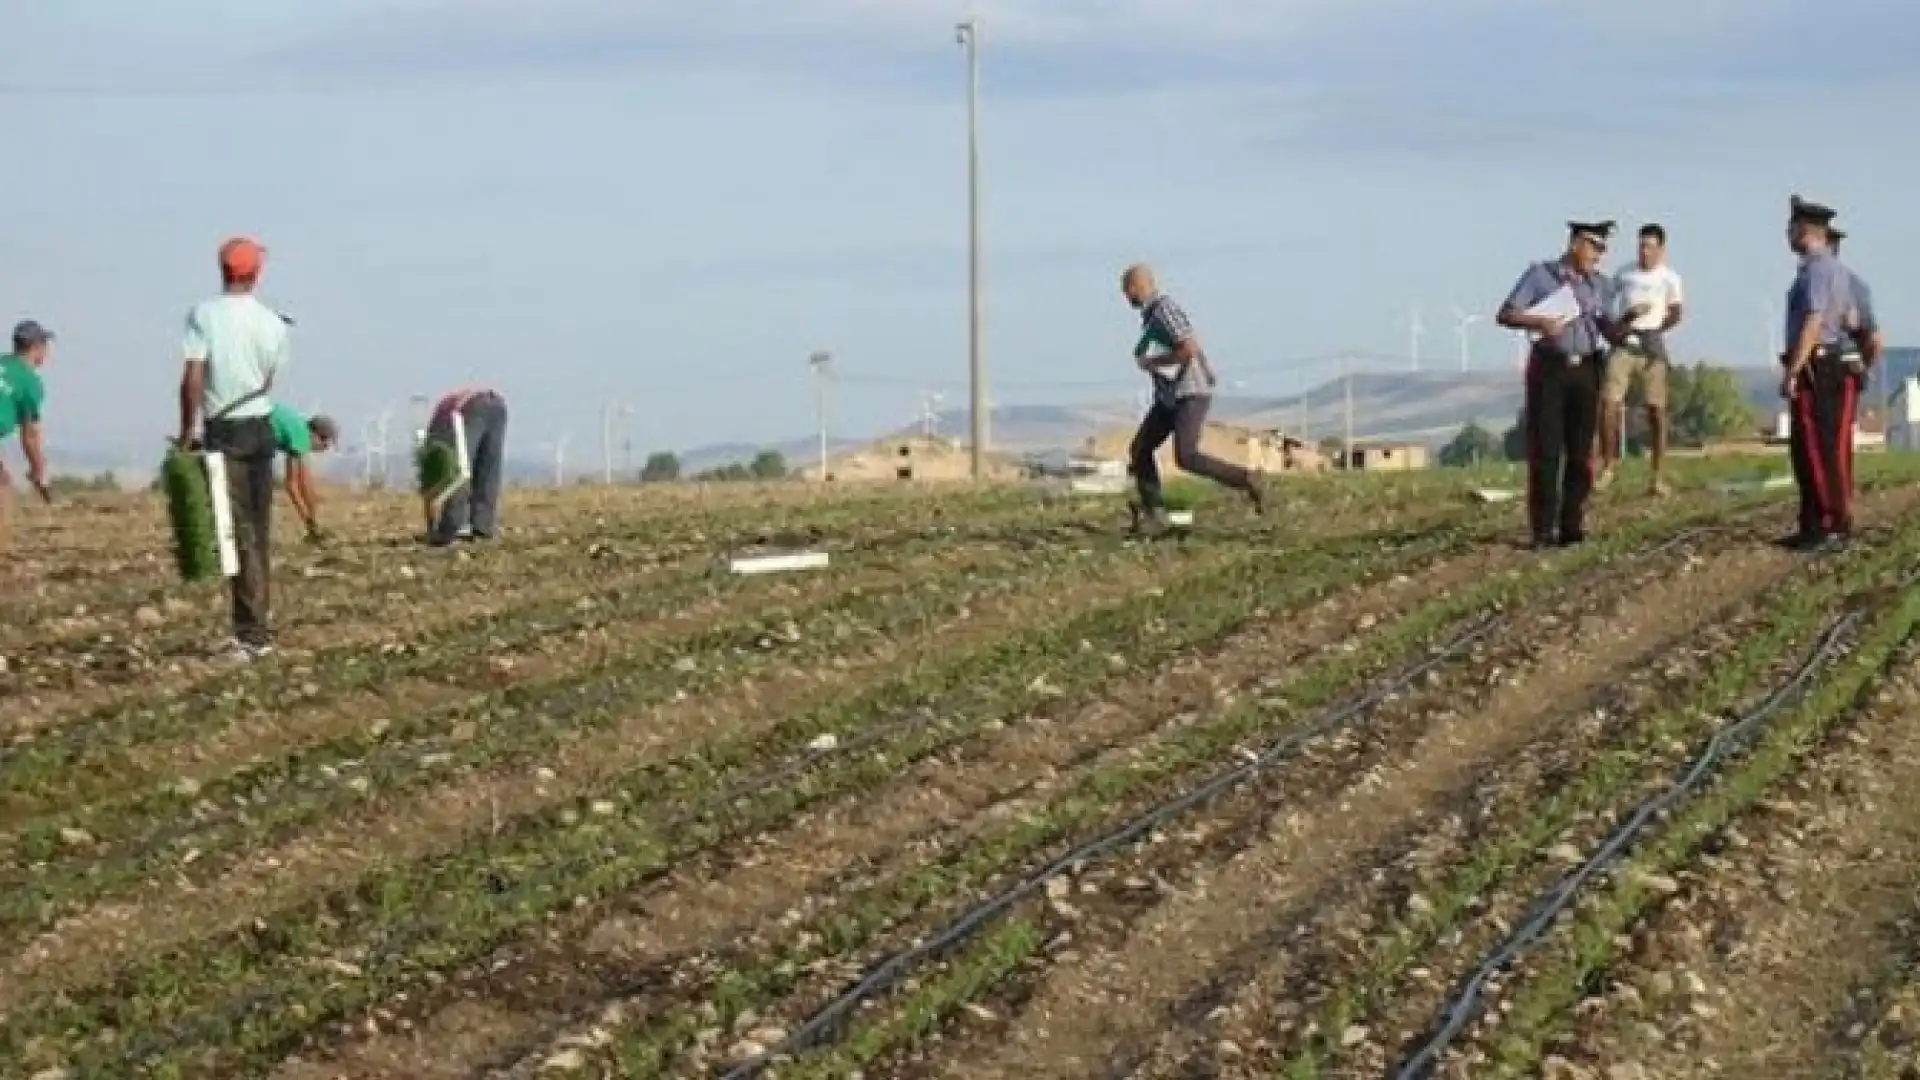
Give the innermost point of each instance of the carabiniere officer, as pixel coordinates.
(1564, 373)
(1820, 386)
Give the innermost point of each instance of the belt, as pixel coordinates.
(1573, 359)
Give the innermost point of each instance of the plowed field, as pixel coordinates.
(1359, 789)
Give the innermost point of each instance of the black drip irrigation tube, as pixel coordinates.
(823, 1023)
(1459, 1010)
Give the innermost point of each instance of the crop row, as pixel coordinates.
(248, 996)
(380, 586)
(753, 982)
(74, 749)
(86, 757)
(134, 838)
(1588, 945)
(1790, 619)
(880, 1032)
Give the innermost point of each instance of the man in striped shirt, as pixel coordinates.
(472, 512)
(1169, 352)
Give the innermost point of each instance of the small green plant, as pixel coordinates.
(437, 466)
(190, 511)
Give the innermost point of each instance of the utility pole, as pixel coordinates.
(1346, 377)
(1415, 331)
(968, 35)
(822, 362)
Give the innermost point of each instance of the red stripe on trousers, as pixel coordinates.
(1803, 401)
(1842, 507)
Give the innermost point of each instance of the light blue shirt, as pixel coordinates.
(1594, 292)
(244, 345)
(1822, 287)
(1863, 303)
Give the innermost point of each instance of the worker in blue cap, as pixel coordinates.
(1821, 388)
(1565, 303)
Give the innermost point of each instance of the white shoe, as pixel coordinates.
(239, 652)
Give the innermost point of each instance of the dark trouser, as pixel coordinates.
(1563, 401)
(476, 505)
(247, 445)
(1183, 421)
(1822, 444)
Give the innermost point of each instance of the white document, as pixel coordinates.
(1166, 371)
(1560, 305)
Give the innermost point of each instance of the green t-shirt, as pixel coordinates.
(290, 435)
(21, 394)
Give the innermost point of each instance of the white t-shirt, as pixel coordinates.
(1658, 288)
(244, 343)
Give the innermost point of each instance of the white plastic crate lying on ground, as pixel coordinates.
(775, 564)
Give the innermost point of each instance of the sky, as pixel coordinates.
(665, 209)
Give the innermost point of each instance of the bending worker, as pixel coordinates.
(22, 395)
(299, 438)
(471, 511)
(1566, 302)
(1820, 387)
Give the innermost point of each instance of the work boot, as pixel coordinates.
(1147, 523)
(1259, 487)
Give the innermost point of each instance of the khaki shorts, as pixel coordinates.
(1623, 364)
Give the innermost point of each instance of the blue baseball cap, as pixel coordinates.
(26, 332)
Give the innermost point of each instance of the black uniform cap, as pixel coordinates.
(1596, 230)
(1799, 209)
(1836, 235)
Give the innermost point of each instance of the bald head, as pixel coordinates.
(1136, 283)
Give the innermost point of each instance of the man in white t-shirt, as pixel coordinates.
(1650, 297)
(233, 347)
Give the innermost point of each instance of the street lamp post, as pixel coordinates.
(968, 35)
(822, 363)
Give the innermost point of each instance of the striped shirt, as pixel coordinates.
(1163, 326)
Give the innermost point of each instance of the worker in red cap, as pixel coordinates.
(234, 347)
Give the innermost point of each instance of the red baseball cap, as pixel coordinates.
(241, 257)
